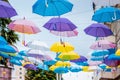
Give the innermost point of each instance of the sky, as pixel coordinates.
(80, 15)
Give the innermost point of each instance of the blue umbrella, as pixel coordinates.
(16, 62)
(97, 58)
(2, 40)
(52, 7)
(22, 53)
(5, 55)
(107, 14)
(18, 57)
(61, 70)
(82, 63)
(44, 67)
(75, 69)
(113, 57)
(7, 48)
(49, 62)
(97, 53)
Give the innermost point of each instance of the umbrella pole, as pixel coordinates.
(56, 76)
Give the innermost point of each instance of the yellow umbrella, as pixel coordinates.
(26, 63)
(53, 67)
(62, 64)
(61, 47)
(117, 52)
(69, 55)
(86, 69)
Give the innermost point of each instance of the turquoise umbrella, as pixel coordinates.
(52, 7)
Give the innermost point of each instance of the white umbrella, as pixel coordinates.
(38, 45)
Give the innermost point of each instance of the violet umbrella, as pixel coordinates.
(111, 63)
(98, 30)
(30, 66)
(6, 10)
(61, 27)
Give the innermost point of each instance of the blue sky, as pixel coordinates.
(80, 15)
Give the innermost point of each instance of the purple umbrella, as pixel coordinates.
(6, 10)
(98, 30)
(81, 59)
(30, 66)
(59, 24)
(111, 63)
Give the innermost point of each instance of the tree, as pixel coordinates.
(40, 75)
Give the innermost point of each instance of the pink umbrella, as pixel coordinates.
(102, 45)
(65, 33)
(94, 63)
(24, 26)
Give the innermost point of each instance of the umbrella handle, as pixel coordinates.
(46, 3)
(114, 17)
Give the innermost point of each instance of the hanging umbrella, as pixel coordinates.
(82, 63)
(61, 47)
(36, 44)
(75, 69)
(34, 60)
(61, 27)
(71, 55)
(61, 70)
(30, 66)
(52, 7)
(107, 14)
(111, 63)
(24, 26)
(98, 30)
(94, 63)
(22, 53)
(104, 3)
(65, 33)
(49, 62)
(62, 64)
(2, 40)
(81, 59)
(18, 57)
(98, 53)
(6, 10)
(16, 62)
(44, 67)
(96, 59)
(113, 57)
(102, 45)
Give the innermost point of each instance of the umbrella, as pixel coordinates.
(98, 30)
(113, 57)
(61, 70)
(75, 69)
(97, 59)
(59, 24)
(30, 66)
(102, 45)
(94, 63)
(24, 26)
(16, 62)
(44, 67)
(82, 63)
(107, 14)
(36, 44)
(98, 53)
(18, 57)
(23, 53)
(65, 33)
(61, 47)
(7, 48)
(49, 62)
(71, 55)
(62, 64)
(111, 63)
(52, 7)
(81, 59)
(6, 10)
(2, 40)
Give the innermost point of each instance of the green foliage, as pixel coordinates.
(40, 75)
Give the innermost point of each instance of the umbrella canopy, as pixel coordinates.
(98, 53)
(61, 47)
(75, 69)
(24, 26)
(2, 40)
(81, 59)
(6, 10)
(71, 55)
(30, 66)
(52, 7)
(96, 58)
(49, 62)
(36, 44)
(16, 62)
(98, 30)
(111, 63)
(113, 57)
(61, 70)
(107, 14)
(102, 45)
(22, 53)
(44, 67)
(94, 63)
(60, 24)
(62, 64)
(65, 33)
